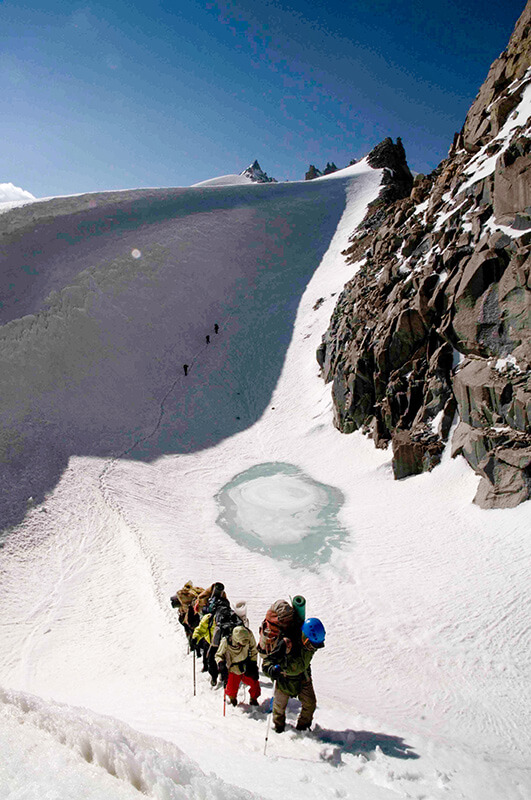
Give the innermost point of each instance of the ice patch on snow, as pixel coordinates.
(277, 509)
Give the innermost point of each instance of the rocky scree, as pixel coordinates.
(436, 318)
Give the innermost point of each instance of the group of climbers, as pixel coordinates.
(220, 634)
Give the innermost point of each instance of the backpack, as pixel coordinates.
(185, 597)
(226, 620)
(184, 600)
(281, 620)
(213, 593)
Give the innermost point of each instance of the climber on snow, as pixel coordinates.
(289, 667)
(237, 662)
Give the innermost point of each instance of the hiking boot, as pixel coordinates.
(302, 726)
(253, 701)
(232, 701)
(214, 682)
(279, 727)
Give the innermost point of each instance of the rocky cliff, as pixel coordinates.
(434, 326)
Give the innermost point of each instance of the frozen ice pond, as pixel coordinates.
(277, 509)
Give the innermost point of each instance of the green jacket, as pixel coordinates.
(205, 629)
(295, 668)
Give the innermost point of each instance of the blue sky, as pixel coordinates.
(122, 94)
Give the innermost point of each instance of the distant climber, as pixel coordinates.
(207, 339)
(185, 368)
(289, 667)
(216, 328)
(237, 662)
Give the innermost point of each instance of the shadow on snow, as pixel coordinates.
(363, 742)
(118, 292)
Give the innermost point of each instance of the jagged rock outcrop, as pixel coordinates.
(437, 317)
(257, 174)
(312, 173)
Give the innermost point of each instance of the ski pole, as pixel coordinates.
(224, 701)
(270, 714)
(194, 671)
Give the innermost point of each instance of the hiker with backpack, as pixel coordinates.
(184, 600)
(207, 600)
(225, 620)
(209, 603)
(237, 663)
(288, 666)
(202, 636)
(288, 643)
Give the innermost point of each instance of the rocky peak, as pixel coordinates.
(312, 173)
(256, 174)
(397, 180)
(436, 319)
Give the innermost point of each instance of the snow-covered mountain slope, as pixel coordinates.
(115, 465)
(251, 174)
(226, 180)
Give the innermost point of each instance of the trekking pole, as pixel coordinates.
(224, 701)
(270, 714)
(194, 671)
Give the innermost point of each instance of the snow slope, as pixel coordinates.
(423, 687)
(226, 180)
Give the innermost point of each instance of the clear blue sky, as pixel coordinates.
(133, 93)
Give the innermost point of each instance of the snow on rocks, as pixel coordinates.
(256, 174)
(446, 266)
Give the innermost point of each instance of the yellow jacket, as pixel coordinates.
(205, 629)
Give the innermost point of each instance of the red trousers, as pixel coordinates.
(233, 684)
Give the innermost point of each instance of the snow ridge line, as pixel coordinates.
(154, 767)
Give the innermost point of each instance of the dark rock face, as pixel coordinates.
(312, 173)
(437, 317)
